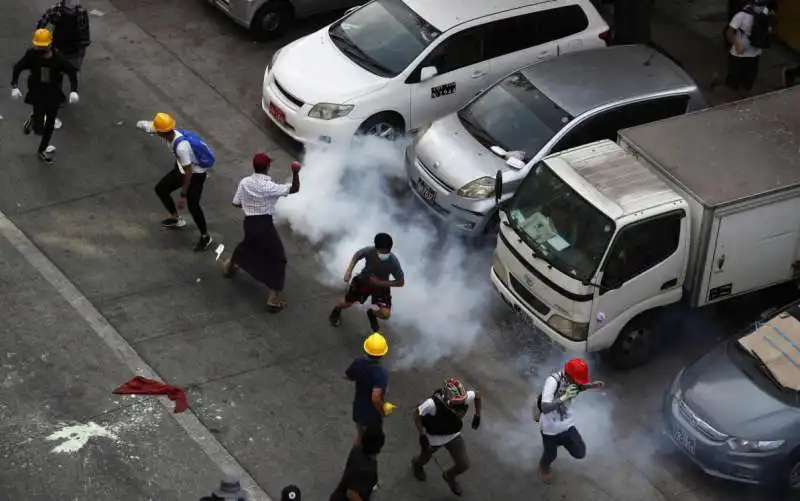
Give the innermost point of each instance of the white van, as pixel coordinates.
(391, 66)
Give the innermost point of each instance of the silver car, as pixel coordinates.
(736, 411)
(547, 107)
(268, 18)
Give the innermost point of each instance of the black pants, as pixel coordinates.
(173, 181)
(742, 72)
(793, 75)
(44, 126)
(570, 440)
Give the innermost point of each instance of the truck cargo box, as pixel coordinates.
(738, 166)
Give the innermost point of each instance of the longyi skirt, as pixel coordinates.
(261, 252)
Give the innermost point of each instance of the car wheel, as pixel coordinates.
(634, 345)
(793, 475)
(383, 126)
(271, 19)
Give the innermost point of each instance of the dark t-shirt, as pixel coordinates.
(360, 475)
(373, 265)
(367, 374)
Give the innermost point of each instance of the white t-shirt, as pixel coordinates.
(185, 155)
(559, 420)
(428, 408)
(742, 22)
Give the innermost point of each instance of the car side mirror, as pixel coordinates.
(767, 314)
(498, 187)
(427, 73)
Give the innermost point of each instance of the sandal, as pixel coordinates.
(277, 308)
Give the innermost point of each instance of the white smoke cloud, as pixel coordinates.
(345, 200)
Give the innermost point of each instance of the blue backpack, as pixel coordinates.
(202, 152)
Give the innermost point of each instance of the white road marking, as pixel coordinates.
(127, 355)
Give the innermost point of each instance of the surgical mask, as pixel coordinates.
(383, 257)
(71, 4)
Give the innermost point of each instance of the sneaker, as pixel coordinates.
(451, 482)
(50, 149)
(419, 471)
(373, 321)
(335, 318)
(45, 157)
(546, 475)
(173, 222)
(27, 127)
(203, 244)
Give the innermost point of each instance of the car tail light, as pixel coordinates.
(605, 36)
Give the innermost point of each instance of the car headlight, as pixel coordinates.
(480, 188)
(329, 111)
(572, 330)
(499, 267)
(742, 445)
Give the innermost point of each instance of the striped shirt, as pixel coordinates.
(258, 194)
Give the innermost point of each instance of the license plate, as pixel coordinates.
(277, 113)
(426, 192)
(683, 439)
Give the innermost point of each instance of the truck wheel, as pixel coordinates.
(634, 345)
(791, 482)
(271, 20)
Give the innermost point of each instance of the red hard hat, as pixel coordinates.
(577, 370)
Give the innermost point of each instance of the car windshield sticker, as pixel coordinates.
(443, 90)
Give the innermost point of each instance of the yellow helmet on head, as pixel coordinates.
(163, 123)
(375, 345)
(42, 38)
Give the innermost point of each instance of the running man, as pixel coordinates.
(189, 174)
(373, 281)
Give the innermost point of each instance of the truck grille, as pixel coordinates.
(297, 102)
(528, 297)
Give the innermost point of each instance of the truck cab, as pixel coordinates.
(583, 223)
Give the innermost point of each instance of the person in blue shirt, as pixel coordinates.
(371, 379)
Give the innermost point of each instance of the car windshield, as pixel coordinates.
(383, 37)
(774, 347)
(559, 225)
(514, 115)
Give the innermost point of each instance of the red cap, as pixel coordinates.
(577, 370)
(261, 160)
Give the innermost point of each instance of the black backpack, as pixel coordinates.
(558, 377)
(84, 35)
(761, 33)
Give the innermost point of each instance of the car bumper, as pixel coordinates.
(716, 458)
(299, 126)
(519, 306)
(241, 11)
(440, 200)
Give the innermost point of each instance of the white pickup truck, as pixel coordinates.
(700, 208)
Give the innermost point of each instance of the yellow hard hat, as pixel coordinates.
(375, 345)
(42, 38)
(163, 122)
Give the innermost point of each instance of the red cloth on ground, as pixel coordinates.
(143, 386)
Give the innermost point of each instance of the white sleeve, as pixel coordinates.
(738, 21)
(427, 408)
(470, 397)
(237, 197)
(146, 126)
(184, 153)
(549, 390)
(277, 190)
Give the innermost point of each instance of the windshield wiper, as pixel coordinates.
(523, 237)
(355, 51)
(480, 134)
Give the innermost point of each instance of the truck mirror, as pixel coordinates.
(498, 186)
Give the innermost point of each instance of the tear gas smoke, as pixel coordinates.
(345, 200)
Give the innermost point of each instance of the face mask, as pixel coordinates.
(383, 257)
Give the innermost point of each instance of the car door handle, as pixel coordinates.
(478, 74)
(669, 284)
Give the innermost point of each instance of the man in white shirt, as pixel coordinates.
(186, 175)
(556, 422)
(439, 423)
(744, 54)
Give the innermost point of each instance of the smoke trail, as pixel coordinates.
(345, 200)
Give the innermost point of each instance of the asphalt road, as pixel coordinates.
(92, 291)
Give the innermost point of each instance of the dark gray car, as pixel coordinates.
(735, 412)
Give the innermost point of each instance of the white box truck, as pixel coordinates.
(698, 208)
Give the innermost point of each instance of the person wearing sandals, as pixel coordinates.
(261, 253)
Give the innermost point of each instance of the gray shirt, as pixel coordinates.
(382, 269)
